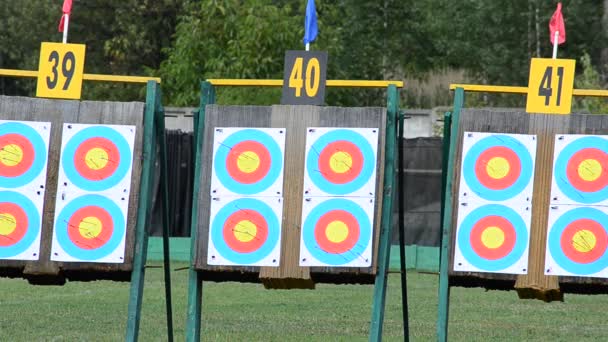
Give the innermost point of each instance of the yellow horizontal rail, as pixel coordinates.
(522, 90)
(86, 77)
(227, 82)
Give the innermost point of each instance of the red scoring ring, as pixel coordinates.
(21, 220)
(601, 241)
(509, 179)
(80, 159)
(493, 253)
(27, 158)
(235, 153)
(325, 162)
(107, 227)
(572, 170)
(341, 247)
(231, 225)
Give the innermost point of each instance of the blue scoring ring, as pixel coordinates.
(61, 229)
(217, 229)
(561, 166)
(521, 238)
(555, 235)
(40, 150)
(493, 141)
(92, 132)
(33, 228)
(308, 231)
(246, 135)
(312, 161)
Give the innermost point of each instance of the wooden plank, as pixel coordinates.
(57, 112)
(289, 273)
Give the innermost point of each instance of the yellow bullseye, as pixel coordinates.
(248, 162)
(336, 231)
(8, 224)
(498, 168)
(245, 231)
(589, 170)
(90, 227)
(584, 241)
(493, 237)
(11, 155)
(96, 158)
(341, 162)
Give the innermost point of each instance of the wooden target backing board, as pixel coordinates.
(545, 127)
(58, 112)
(295, 120)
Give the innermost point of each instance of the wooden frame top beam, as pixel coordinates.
(279, 83)
(521, 90)
(86, 77)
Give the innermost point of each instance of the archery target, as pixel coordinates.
(577, 241)
(89, 228)
(247, 162)
(492, 238)
(340, 162)
(580, 170)
(23, 154)
(337, 232)
(23, 169)
(96, 158)
(20, 224)
(497, 167)
(245, 231)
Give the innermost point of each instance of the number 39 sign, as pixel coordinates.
(550, 86)
(60, 70)
(304, 78)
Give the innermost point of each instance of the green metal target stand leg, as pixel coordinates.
(195, 284)
(450, 140)
(153, 141)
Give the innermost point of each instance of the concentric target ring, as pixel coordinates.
(492, 256)
(585, 157)
(23, 154)
(347, 215)
(570, 245)
(237, 219)
(340, 162)
(248, 162)
(104, 171)
(502, 167)
(74, 224)
(19, 224)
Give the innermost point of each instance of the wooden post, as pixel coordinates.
(444, 287)
(400, 227)
(195, 284)
(164, 187)
(377, 318)
(143, 214)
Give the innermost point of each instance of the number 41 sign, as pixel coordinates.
(60, 70)
(550, 86)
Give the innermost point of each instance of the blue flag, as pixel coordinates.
(310, 23)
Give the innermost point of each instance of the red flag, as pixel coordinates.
(67, 9)
(557, 24)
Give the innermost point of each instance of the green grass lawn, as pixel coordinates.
(97, 311)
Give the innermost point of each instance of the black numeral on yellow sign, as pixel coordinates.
(67, 69)
(545, 89)
(304, 77)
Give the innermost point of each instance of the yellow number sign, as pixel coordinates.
(60, 70)
(550, 86)
(304, 78)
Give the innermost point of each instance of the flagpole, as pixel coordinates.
(65, 28)
(307, 46)
(555, 43)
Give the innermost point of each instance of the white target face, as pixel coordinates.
(93, 193)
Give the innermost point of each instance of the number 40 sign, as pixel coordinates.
(60, 70)
(550, 86)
